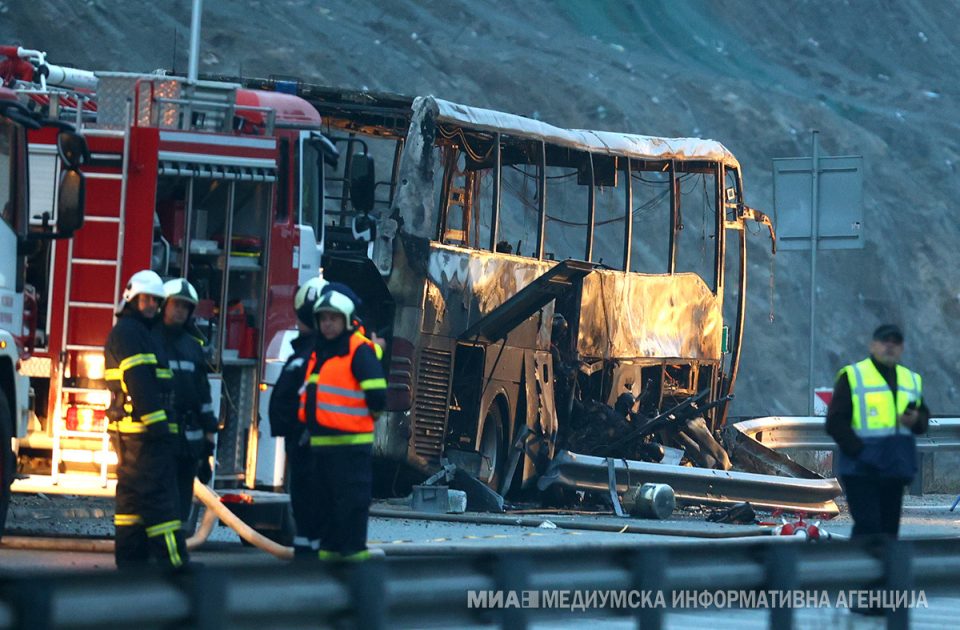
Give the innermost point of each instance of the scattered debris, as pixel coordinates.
(741, 514)
(650, 500)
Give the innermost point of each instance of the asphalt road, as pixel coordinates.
(87, 519)
(91, 518)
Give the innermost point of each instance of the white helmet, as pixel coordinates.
(306, 298)
(180, 289)
(146, 282)
(335, 302)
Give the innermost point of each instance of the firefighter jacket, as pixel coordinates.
(863, 418)
(191, 388)
(284, 399)
(344, 387)
(138, 377)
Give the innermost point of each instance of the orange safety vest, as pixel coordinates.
(340, 401)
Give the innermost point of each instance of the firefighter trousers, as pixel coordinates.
(191, 455)
(344, 485)
(302, 482)
(187, 466)
(147, 508)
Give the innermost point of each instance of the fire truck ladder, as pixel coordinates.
(60, 431)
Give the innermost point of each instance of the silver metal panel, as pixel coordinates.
(840, 195)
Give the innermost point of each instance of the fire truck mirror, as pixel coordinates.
(72, 149)
(70, 203)
(362, 181)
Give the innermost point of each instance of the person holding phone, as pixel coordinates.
(876, 410)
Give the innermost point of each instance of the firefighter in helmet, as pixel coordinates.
(144, 432)
(192, 404)
(284, 423)
(343, 389)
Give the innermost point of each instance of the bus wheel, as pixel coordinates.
(491, 447)
(7, 461)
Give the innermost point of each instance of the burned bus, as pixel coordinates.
(519, 271)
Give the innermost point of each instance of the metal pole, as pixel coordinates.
(591, 211)
(814, 230)
(495, 219)
(628, 215)
(542, 216)
(194, 40)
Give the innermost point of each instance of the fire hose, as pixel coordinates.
(216, 509)
(206, 496)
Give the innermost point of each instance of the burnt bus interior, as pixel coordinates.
(523, 200)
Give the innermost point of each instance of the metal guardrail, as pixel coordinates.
(696, 485)
(421, 592)
(779, 432)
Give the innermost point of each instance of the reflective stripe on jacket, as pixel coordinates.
(337, 395)
(875, 408)
(137, 375)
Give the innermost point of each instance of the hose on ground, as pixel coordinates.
(203, 531)
(211, 500)
(215, 510)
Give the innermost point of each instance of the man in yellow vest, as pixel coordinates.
(876, 410)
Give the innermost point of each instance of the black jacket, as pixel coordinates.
(133, 360)
(285, 397)
(191, 387)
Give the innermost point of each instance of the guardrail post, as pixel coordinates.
(510, 572)
(898, 566)
(781, 566)
(207, 590)
(368, 593)
(31, 601)
(916, 487)
(648, 567)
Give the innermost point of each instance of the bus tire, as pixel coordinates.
(8, 464)
(492, 446)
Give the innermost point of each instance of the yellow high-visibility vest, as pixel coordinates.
(875, 409)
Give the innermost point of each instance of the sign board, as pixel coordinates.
(821, 400)
(840, 202)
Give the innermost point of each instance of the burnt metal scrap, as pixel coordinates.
(694, 486)
(479, 261)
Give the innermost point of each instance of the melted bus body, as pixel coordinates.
(483, 226)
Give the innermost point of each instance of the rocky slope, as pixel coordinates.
(876, 77)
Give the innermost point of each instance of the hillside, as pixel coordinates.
(877, 78)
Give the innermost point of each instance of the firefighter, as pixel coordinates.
(876, 409)
(192, 404)
(284, 422)
(138, 377)
(343, 389)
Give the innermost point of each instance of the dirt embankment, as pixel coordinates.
(877, 78)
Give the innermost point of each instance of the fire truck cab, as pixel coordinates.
(24, 227)
(203, 180)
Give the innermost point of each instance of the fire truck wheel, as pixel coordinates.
(491, 446)
(7, 461)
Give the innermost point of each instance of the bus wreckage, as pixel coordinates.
(553, 300)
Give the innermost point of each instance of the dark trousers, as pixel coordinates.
(875, 504)
(147, 518)
(187, 466)
(344, 477)
(303, 501)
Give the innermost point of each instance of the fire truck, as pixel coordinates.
(197, 179)
(26, 227)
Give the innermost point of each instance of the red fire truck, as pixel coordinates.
(25, 227)
(203, 180)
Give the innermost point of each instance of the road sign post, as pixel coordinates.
(819, 204)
